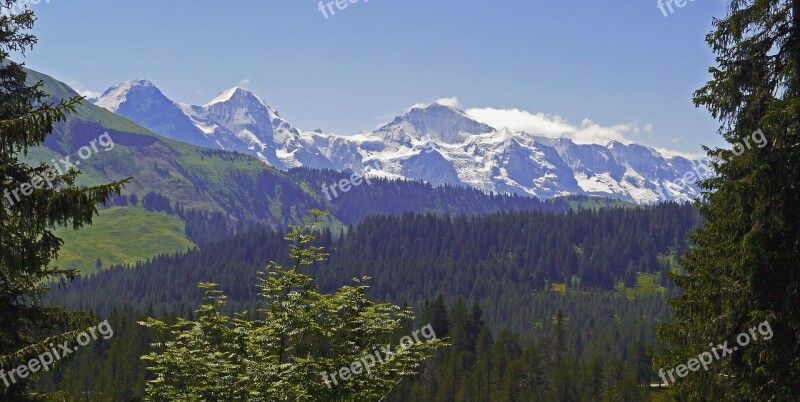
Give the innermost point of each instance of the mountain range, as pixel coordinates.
(232, 182)
(436, 143)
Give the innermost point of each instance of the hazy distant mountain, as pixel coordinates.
(437, 143)
(437, 122)
(143, 103)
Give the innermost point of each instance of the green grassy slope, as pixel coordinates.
(646, 285)
(121, 235)
(239, 185)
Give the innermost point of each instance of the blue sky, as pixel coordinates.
(620, 64)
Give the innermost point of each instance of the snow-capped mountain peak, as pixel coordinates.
(504, 135)
(113, 97)
(438, 121)
(437, 143)
(142, 102)
(237, 95)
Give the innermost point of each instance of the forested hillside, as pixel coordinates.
(520, 269)
(410, 257)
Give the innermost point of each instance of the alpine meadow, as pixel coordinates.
(476, 202)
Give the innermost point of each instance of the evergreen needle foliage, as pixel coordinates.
(280, 351)
(27, 242)
(744, 267)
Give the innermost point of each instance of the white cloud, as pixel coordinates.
(82, 91)
(670, 153)
(243, 82)
(520, 120)
(590, 132)
(88, 94)
(554, 126)
(452, 102)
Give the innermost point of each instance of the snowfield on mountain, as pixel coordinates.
(437, 143)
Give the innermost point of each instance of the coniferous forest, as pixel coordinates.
(485, 282)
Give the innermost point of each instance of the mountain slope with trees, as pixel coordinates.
(495, 276)
(241, 186)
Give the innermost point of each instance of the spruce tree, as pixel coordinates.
(27, 242)
(744, 266)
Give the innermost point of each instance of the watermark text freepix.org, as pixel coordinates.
(327, 7)
(345, 185)
(59, 167)
(56, 353)
(717, 353)
(663, 5)
(704, 171)
(20, 6)
(381, 355)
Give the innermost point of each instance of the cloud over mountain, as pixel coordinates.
(553, 126)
